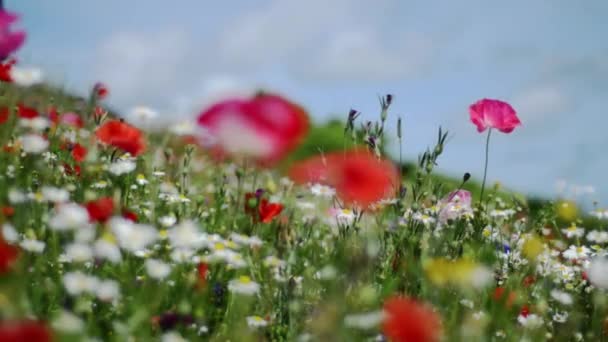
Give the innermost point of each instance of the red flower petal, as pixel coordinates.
(408, 320)
(25, 112)
(100, 210)
(24, 331)
(269, 211)
(121, 135)
(360, 178)
(8, 255)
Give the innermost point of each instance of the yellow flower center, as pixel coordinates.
(244, 280)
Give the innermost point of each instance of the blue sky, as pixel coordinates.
(548, 58)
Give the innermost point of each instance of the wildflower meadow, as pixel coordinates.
(223, 228)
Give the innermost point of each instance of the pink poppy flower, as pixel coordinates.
(10, 40)
(494, 114)
(265, 127)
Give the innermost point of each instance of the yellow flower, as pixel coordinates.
(567, 210)
(532, 247)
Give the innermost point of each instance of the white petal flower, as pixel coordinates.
(186, 235)
(562, 297)
(9, 233)
(55, 195)
(108, 290)
(32, 245)
(132, 236)
(33, 143)
(79, 252)
(38, 123)
(68, 322)
(107, 250)
(157, 269)
(244, 285)
(256, 322)
(16, 196)
(143, 117)
(26, 77)
(69, 216)
(77, 283)
(322, 190)
(598, 272)
(121, 167)
(172, 336)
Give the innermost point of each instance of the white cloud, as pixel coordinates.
(539, 102)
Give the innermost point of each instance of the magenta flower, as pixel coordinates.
(494, 114)
(10, 40)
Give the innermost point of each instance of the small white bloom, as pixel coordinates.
(32, 245)
(16, 196)
(172, 336)
(9, 233)
(367, 320)
(68, 322)
(183, 128)
(55, 195)
(186, 235)
(256, 322)
(562, 297)
(531, 321)
(272, 261)
(157, 269)
(33, 143)
(38, 123)
(121, 167)
(107, 250)
(26, 77)
(574, 231)
(79, 252)
(560, 317)
(143, 117)
(77, 282)
(598, 272)
(322, 190)
(574, 252)
(167, 221)
(69, 216)
(597, 236)
(244, 285)
(108, 290)
(132, 236)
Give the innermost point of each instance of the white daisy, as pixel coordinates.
(256, 322)
(244, 285)
(121, 167)
(32, 245)
(157, 269)
(33, 143)
(69, 216)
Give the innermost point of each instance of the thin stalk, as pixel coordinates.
(485, 168)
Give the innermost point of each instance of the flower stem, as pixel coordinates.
(485, 168)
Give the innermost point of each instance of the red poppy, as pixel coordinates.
(360, 178)
(130, 215)
(4, 115)
(69, 170)
(266, 127)
(53, 115)
(101, 91)
(269, 211)
(5, 70)
(100, 210)
(8, 255)
(79, 152)
(24, 331)
(25, 112)
(121, 135)
(525, 311)
(499, 296)
(408, 320)
(8, 211)
(202, 270)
